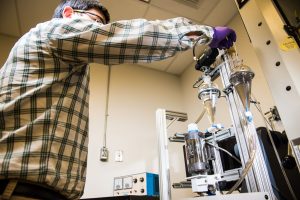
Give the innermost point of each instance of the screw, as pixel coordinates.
(277, 63)
(288, 88)
(268, 42)
(259, 24)
(266, 197)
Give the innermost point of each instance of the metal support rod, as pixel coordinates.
(164, 168)
(172, 121)
(233, 109)
(258, 177)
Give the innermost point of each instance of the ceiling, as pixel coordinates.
(18, 16)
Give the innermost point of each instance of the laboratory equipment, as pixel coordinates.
(241, 78)
(209, 94)
(209, 172)
(279, 58)
(141, 184)
(195, 151)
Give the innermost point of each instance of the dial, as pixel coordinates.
(127, 182)
(118, 184)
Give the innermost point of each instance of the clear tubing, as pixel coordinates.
(200, 116)
(224, 150)
(250, 137)
(249, 163)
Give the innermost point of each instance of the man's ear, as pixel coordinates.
(67, 12)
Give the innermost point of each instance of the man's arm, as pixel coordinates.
(128, 41)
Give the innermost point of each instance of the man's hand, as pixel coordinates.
(223, 38)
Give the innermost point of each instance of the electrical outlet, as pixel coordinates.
(104, 154)
(119, 156)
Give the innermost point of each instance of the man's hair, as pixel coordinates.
(81, 5)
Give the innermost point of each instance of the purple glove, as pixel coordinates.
(223, 38)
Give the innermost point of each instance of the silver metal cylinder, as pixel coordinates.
(196, 155)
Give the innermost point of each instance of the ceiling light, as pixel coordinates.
(146, 1)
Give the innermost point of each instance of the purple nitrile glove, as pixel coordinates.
(223, 38)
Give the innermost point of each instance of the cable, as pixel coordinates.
(224, 150)
(258, 108)
(194, 46)
(200, 116)
(277, 154)
(249, 163)
(282, 197)
(106, 105)
(245, 171)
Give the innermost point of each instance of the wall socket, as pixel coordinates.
(104, 154)
(119, 156)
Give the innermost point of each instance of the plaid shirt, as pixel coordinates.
(44, 91)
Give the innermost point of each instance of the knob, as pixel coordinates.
(288, 162)
(135, 180)
(142, 179)
(142, 190)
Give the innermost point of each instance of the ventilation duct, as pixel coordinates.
(191, 3)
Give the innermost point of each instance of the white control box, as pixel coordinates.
(143, 184)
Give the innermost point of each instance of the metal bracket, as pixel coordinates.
(178, 137)
(228, 89)
(170, 115)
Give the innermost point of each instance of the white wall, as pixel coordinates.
(135, 94)
(6, 43)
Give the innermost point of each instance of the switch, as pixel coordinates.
(119, 156)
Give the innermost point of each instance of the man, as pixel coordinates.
(44, 90)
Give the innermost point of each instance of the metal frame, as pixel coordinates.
(240, 196)
(257, 179)
(228, 175)
(164, 168)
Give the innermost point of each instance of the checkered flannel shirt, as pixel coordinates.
(44, 91)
